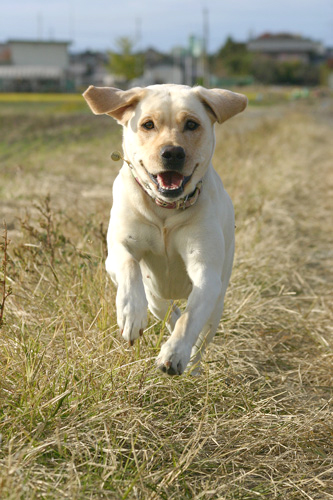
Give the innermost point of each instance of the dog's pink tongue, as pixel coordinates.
(170, 180)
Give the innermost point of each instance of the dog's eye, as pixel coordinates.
(191, 125)
(149, 125)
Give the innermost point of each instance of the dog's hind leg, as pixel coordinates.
(162, 308)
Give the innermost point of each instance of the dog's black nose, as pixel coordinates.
(173, 157)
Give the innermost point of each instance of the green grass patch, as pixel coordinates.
(60, 103)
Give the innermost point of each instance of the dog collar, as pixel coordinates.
(186, 202)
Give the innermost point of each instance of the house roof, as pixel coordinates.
(284, 42)
(38, 42)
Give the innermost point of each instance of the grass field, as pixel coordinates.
(85, 417)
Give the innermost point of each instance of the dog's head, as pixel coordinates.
(168, 130)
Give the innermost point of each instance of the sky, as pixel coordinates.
(162, 24)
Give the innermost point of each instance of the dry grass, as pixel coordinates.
(83, 416)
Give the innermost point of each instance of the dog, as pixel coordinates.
(171, 231)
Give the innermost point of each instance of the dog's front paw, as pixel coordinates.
(173, 357)
(132, 318)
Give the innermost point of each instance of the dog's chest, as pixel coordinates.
(163, 269)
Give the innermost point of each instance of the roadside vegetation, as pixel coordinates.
(234, 59)
(82, 415)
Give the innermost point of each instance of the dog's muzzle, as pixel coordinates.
(170, 182)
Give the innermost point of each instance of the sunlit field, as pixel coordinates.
(83, 416)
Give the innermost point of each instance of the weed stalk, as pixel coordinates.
(5, 292)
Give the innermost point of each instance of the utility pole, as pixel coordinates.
(206, 76)
(71, 21)
(137, 45)
(138, 31)
(39, 26)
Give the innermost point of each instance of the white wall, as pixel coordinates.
(39, 53)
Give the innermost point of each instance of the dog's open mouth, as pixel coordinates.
(170, 183)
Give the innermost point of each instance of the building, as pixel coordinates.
(181, 66)
(287, 47)
(34, 66)
(90, 68)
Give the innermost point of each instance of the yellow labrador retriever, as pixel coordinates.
(171, 232)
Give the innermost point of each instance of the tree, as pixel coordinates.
(233, 59)
(124, 62)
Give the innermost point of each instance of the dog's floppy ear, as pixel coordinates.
(223, 104)
(114, 102)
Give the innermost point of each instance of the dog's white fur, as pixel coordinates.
(155, 254)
